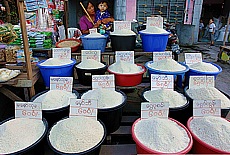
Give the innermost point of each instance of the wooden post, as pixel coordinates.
(20, 4)
(225, 34)
(66, 17)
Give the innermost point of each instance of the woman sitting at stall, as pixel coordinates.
(88, 21)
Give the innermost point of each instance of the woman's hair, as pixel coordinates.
(85, 3)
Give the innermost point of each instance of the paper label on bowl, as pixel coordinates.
(160, 81)
(127, 56)
(61, 53)
(83, 107)
(149, 109)
(154, 21)
(31, 110)
(206, 108)
(61, 83)
(91, 54)
(201, 82)
(93, 30)
(157, 56)
(103, 82)
(191, 58)
(121, 25)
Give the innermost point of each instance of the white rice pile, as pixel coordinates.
(162, 135)
(210, 93)
(169, 65)
(106, 98)
(174, 98)
(54, 99)
(94, 35)
(56, 62)
(76, 134)
(123, 67)
(204, 67)
(90, 64)
(123, 33)
(155, 30)
(20, 133)
(212, 130)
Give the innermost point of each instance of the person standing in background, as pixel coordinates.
(211, 27)
(201, 31)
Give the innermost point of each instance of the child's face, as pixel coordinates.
(102, 6)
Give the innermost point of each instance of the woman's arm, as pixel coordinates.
(107, 20)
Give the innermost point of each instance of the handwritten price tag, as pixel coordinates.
(94, 30)
(201, 81)
(206, 108)
(122, 25)
(157, 56)
(127, 56)
(159, 81)
(91, 54)
(149, 110)
(61, 83)
(28, 110)
(191, 58)
(83, 107)
(62, 53)
(154, 21)
(103, 81)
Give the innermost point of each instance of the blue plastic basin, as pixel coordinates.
(154, 42)
(94, 43)
(55, 71)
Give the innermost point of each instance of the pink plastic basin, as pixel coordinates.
(142, 149)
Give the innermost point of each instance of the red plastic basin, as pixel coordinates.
(73, 48)
(202, 147)
(128, 80)
(142, 149)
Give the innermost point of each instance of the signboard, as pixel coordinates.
(83, 107)
(206, 108)
(157, 56)
(91, 54)
(122, 25)
(201, 82)
(191, 58)
(61, 53)
(103, 81)
(28, 110)
(127, 56)
(160, 81)
(149, 110)
(154, 21)
(61, 83)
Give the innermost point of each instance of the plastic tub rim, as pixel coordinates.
(55, 67)
(187, 149)
(150, 33)
(112, 108)
(201, 72)
(36, 142)
(206, 145)
(123, 35)
(129, 74)
(173, 108)
(167, 72)
(57, 109)
(90, 69)
(73, 47)
(80, 153)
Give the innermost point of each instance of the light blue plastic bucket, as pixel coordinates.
(154, 42)
(178, 75)
(97, 43)
(55, 71)
(193, 72)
